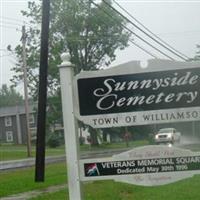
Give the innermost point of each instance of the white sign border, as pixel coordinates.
(154, 65)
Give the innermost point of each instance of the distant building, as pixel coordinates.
(13, 127)
(13, 124)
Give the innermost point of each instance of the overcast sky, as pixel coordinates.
(176, 22)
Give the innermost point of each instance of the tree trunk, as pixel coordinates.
(93, 135)
(104, 137)
(81, 141)
(126, 137)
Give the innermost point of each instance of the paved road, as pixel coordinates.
(14, 164)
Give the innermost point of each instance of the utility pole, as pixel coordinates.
(23, 39)
(42, 96)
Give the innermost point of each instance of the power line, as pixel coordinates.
(134, 33)
(14, 19)
(10, 18)
(143, 31)
(130, 40)
(180, 32)
(16, 24)
(150, 30)
(142, 48)
(133, 42)
(10, 27)
(6, 55)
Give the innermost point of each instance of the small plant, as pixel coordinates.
(53, 140)
(81, 140)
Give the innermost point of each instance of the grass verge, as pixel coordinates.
(14, 152)
(109, 190)
(22, 180)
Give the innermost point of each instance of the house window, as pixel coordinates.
(9, 136)
(31, 119)
(8, 121)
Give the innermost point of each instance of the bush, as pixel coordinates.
(81, 140)
(53, 140)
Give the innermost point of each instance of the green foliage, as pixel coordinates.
(22, 180)
(136, 132)
(141, 132)
(53, 140)
(85, 31)
(54, 115)
(9, 96)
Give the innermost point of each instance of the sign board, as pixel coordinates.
(148, 166)
(128, 95)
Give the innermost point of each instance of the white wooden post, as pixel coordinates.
(70, 128)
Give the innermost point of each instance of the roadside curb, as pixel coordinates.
(14, 164)
(29, 162)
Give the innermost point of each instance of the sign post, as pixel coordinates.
(70, 129)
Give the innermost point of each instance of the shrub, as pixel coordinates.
(53, 140)
(81, 140)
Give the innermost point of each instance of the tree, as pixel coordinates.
(9, 96)
(89, 33)
(197, 56)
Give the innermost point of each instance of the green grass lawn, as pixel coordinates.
(109, 190)
(14, 152)
(22, 180)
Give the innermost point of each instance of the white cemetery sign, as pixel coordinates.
(148, 166)
(128, 95)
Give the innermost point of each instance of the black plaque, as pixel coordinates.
(143, 166)
(139, 92)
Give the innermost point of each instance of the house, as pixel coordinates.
(13, 124)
